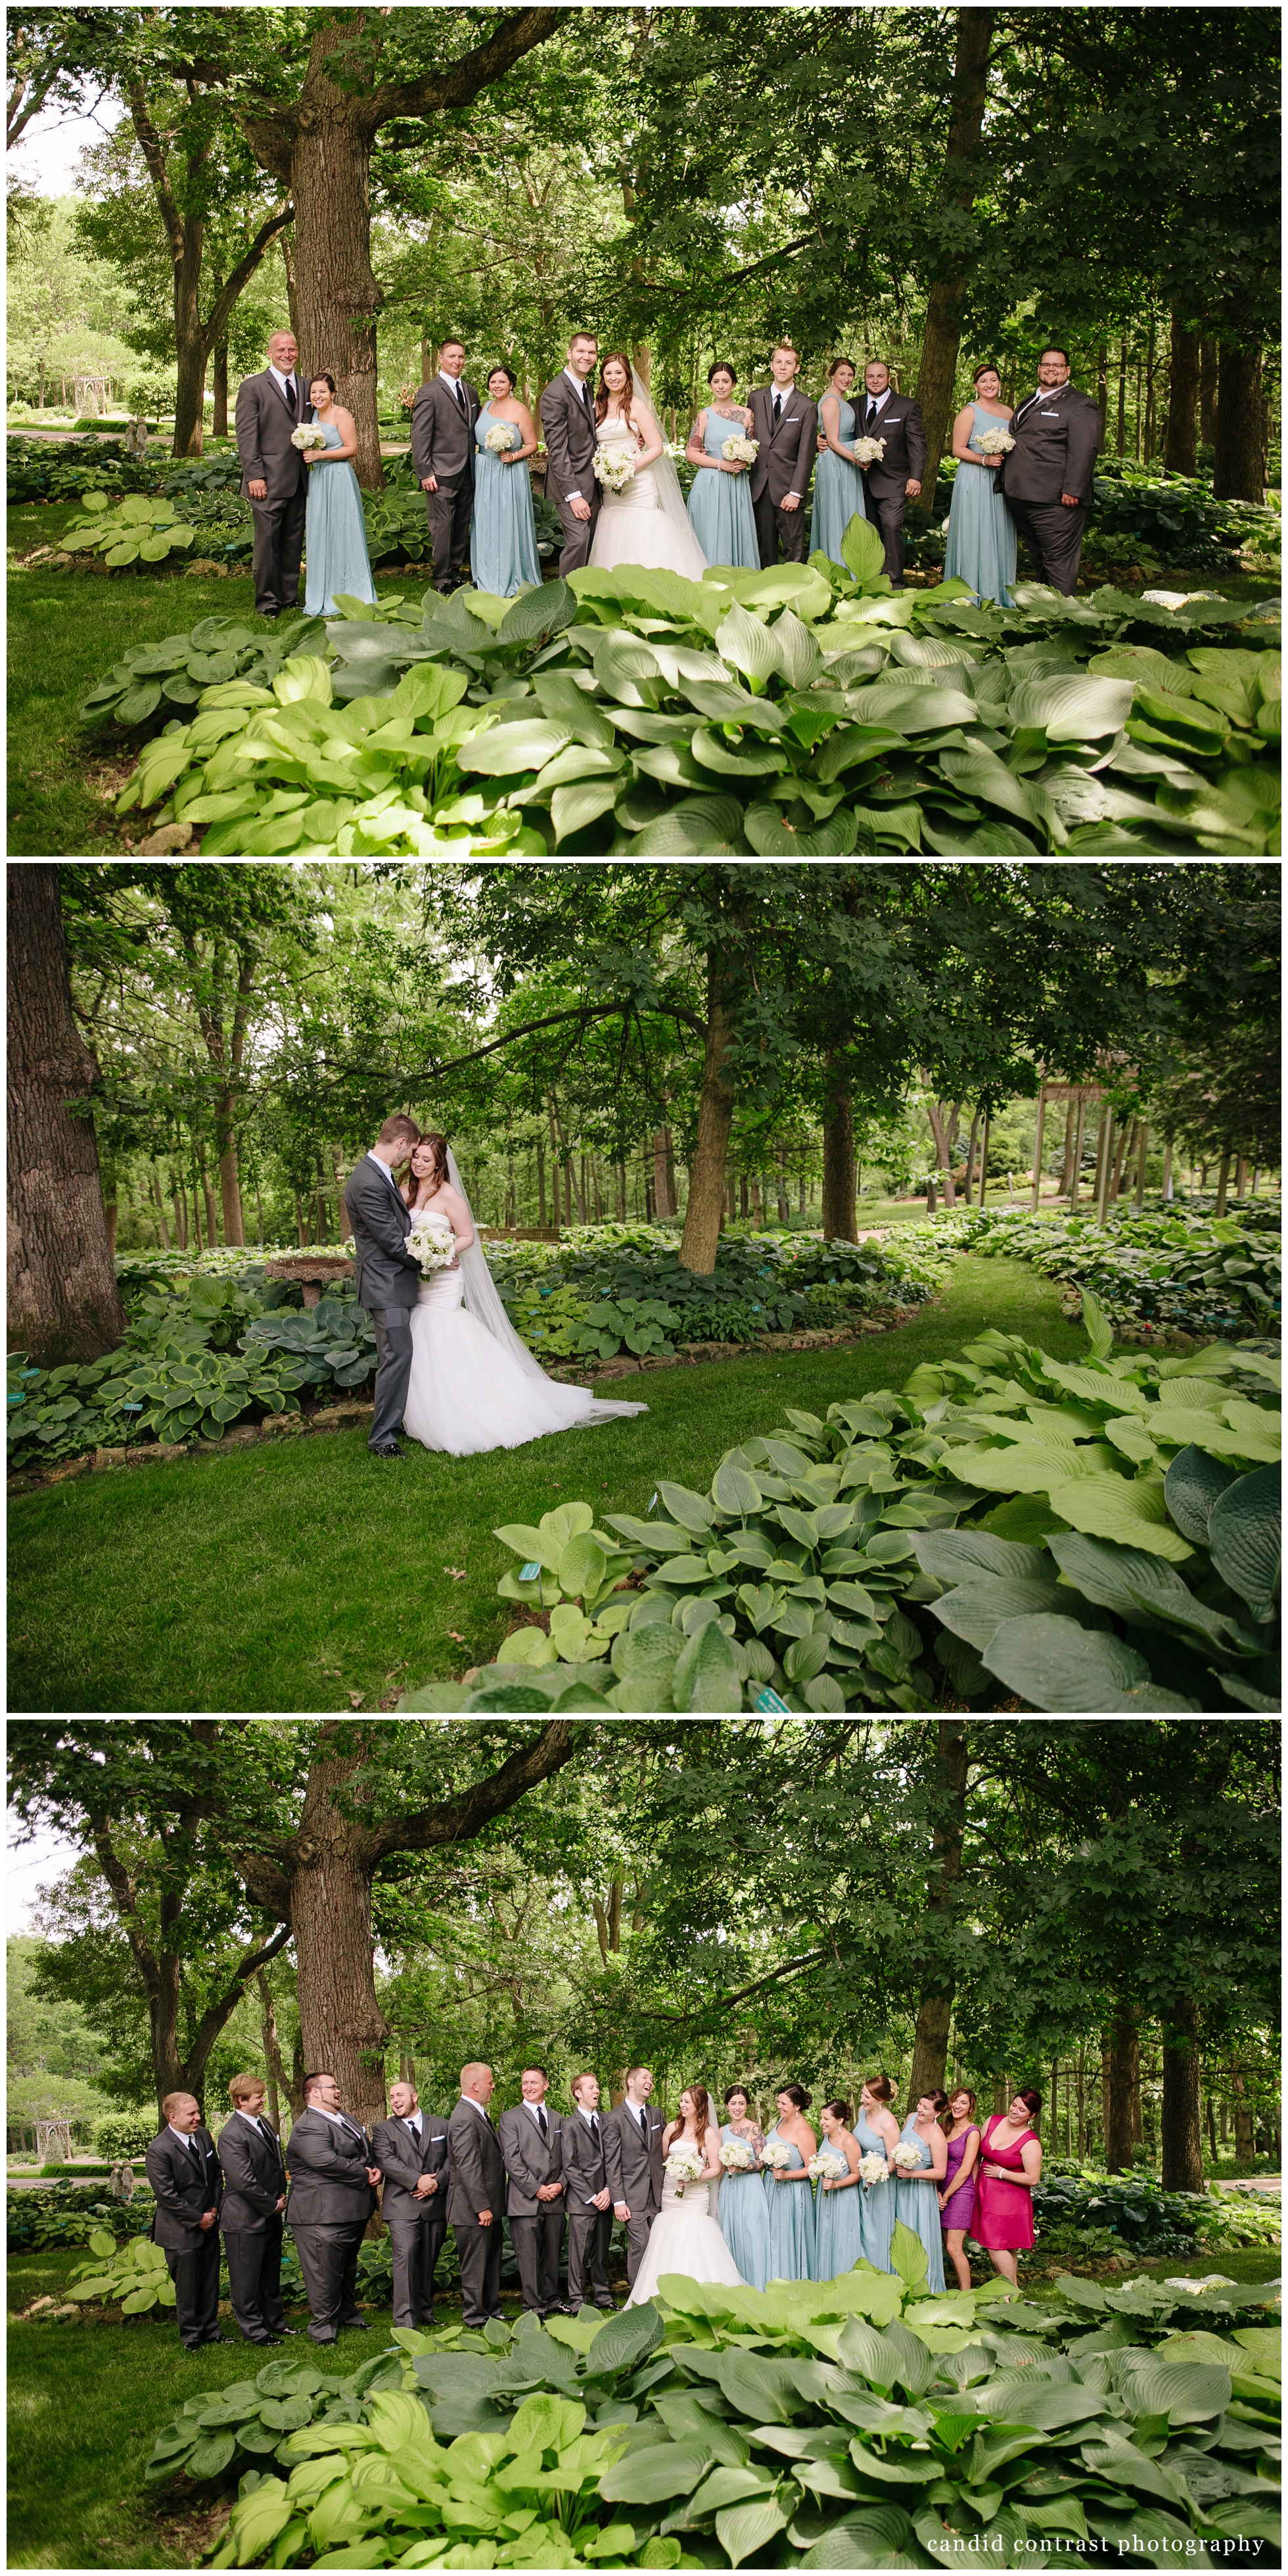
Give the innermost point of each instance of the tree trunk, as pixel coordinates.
(1182, 400)
(1243, 2148)
(189, 341)
(1122, 2104)
(1140, 1167)
(1070, 1122)
(275, 2072)
(970, 1154)
(839, 1220)
(701, 1238)
(945, 1136)
(339, 298)
(1211, 2130)
(934, 2012)
(783, 1202)
(219, 415)
(1122, 398)
(1222, 1182)
(1208, 368)
(1181, 2125)
(154, 1185)
(664, 1172)
(110, 1212)
(541, 1186)
(212, 1236)
(1239, 466)
(64, 1303)
(342, 2026)
(1082, 2105)
(943, 331)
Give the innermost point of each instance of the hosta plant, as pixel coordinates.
(135, 530)
(221, 665)
(252, 2420)
(1175, 1271)
(133, 2276)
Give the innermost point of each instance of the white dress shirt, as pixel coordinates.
(290, 384)
(480, 2107)
(187, 2138)
(411, 2120)
(373, 1157)
(451, 382)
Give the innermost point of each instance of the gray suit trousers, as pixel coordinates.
(449, 511)
(538, 2243)
(416, 2243)
(329, 2262)
(393, 1373)
(1053, 536)
(589, 2231)
(279, 543)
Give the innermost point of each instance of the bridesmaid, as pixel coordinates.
(335, 531)
(503, 531)
(877, 2132)
(791, 2208)
(957, 2196)
(837, 2246)
(1010, 2162)
(916, 2199)
(981, 531)
(720, 501)
(838, 484)
(744, 2217)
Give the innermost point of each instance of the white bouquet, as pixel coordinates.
(308, 436)
(868, 451)
(995, 442)
(775, 2156)
(826, 2166)
(907, 2156)
(501, 438)
(740, 450)
(684, 2164)
(737, 2156)
(431, 1241)
(872, 2169)
(614, 468)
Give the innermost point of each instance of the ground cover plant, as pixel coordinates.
(834, 1562)
(1170, 1271)
(71, 2214)
(40, 469)
(1081, 2209)
(804, 712)
(842, 2423)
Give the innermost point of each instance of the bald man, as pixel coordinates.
(183, 2170)
(476, 2195)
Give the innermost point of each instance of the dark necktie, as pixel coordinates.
(265, 2132)
(195, 2149)
(778, 409)
(460, 399)
(872, 417)
(594, 2123)
(543, 2124)
(291, 404)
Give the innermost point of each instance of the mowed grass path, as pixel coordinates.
(309, 1576)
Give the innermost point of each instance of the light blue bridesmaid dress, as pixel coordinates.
(335, 535)
(981, 531)
(837, 2245)
(790, 2209)
(917, 2204)
(876, 2207)
(838, 493)
(720, 505)
(503, 530)
(744, 2219)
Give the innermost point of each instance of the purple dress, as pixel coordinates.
(959, 2205)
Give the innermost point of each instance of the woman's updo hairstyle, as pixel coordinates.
(320, 377)
(879, 2087)
(839, 2110)
(796, 2094)
(501, 369)
(938, 2101)
(722, 368)
(1032, 2101)
(841, 362)
(733, 2093)
(987, 367)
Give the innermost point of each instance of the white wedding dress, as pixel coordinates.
(636, 526)
(684, 2237)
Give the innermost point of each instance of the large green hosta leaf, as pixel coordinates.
(1054, 1663)
(777, 834)
(1071, 706)
(1246, 1538)
(862, 549)
(975, 1609)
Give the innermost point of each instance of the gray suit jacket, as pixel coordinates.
(634, 2169)
(264, 427)
(529, 2163)
(402, 2162)
(185, 2186)
(571, 440)
(254, 2178)
(442, 444)
(478, 2169)
(786, 458)
(329, 2186)
(900, 424)
(583, 2160)
(378, 1214)
(1056, 439)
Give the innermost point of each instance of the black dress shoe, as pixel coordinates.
(320, 2338)
(387, 1453)
(359, 2323)
(216, 2338)
(608, 2306)
(280, 2331)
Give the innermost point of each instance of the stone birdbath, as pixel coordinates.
(314, 1272)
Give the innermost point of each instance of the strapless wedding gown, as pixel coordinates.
(467, 1391)
(684, 2237)
(633, 528)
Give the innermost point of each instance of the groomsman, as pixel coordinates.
(895, 479)
(530, 2143)
(590, 2199)
(331, 2198)
(184, 2173)
(442, 446)
(568, 419)
(784, 420)
(634, 2150)
(410, 2148)
(476, 2195)
(275, 478)
(1046, 479)
(250, 2214)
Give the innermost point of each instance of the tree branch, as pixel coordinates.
(150, 145)
(458, 1820)
(268, 233)
(224, 2006)
(602, 1011)
(127, 1906)
(463, 80)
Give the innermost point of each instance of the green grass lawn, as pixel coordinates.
(310, 1576)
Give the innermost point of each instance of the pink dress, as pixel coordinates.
(1003, 2211)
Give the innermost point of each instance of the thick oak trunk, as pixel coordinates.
(229, 1179)
(63, 1299)
(1239, 465)
(943, 332)
(1122, 2108)
(701, 1238)
(839, 1219)
(342, 2026)
(338, 297)
(664, 1173)
(1182, 2138)
(1182, 400)
(934, 2011)
(1208, 365)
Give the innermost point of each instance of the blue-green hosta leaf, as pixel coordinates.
(747, 646)
(976, 1608)
(982, 774)
(743, 2529)
(798, 655)
(698, 827)
(1056, 1664)
(736, 760)
(733, 1490)
(506, 750)
(1031, 1467)
(1245, 1536)
(876, 2536)
(1072, 706)
(769, 832)
(706, 1675)
(911, 710)
(954, 1556)
(647, 1654)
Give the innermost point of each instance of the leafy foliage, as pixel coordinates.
(1087, 2211)
(1174, 518)
(66, 2215)
(67, 469)
(221, 666)
(254, 2419)
(804, 712)
(1180, 1272)
(135, 2276)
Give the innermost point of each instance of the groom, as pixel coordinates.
(568, 418)
(388, 1278)
(633, 2152)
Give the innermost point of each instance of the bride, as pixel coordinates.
(647, 523)
(684, 2237)
(474, 1385)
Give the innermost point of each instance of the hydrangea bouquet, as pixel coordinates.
(431, 1241)
(907, 2156)
(614, 468)
(308, 437)
(868, 451)
(740, 450)
(826, 2166)
(684, 2164)
(501, 437)
(776, 2157)
(995, 442)
(736, 2156)
(872, 2169)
